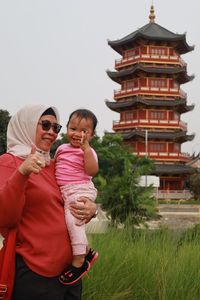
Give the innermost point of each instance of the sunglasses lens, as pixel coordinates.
(46, 125)
(56, 128)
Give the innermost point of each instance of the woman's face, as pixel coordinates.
(45, 138)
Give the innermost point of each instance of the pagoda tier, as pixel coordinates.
(152, 33)
(179, 136)
(178, 73)
(179, 105)
(161, 146)
(138, 112)
(150, 100)
(171, 180)
(144, 80)
(173, 169)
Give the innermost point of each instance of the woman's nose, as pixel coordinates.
(51, 131)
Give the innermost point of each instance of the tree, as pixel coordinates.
(195, 186)
(117, 181)
(4, 119)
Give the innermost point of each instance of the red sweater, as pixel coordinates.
(34, 203)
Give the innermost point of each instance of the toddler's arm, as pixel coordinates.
(90, 161)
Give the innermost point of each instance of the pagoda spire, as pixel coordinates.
(152, 14)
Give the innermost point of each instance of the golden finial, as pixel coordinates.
(152, 14)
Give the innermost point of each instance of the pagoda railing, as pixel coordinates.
(151, 123)
(150, 58)
(172, 194)
(170, 156)
(146, 90)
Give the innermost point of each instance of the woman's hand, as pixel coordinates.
(32, 164)
(83, 209)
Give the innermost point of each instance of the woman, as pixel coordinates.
(31, 201)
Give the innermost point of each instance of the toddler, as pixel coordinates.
(76, 163)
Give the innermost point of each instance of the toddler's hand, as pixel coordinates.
(84, 140)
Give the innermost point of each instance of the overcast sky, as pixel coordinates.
(55, 52)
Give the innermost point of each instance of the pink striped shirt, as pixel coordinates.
(70, 165)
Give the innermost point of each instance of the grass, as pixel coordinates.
(144, 265)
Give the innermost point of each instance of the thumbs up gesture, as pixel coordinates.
(32, 164)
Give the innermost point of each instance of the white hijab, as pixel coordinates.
(21, 132)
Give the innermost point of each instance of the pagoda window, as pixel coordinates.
(176, 53)
(175, 185)
(135, 115)
(171, 51)
(176, 116)
(176, 147)
(143, 50)
(158, 83)
(157, 147)
(173, 116)
(143, 81)
(176, 85)
(142, 114)
(158, 50)
(157, 115)
(131, 53)
(173, 84)
(171, 147)
(130, 84)
(128, 116)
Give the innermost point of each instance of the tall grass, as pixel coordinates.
(144, 265)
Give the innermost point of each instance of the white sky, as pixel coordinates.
(56, 52)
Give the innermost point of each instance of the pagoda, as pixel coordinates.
(150, 100)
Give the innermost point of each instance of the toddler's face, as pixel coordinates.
(77, 128)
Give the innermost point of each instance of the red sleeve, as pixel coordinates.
(12, 187)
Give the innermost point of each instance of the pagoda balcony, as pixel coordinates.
(169, 124)
(149, 58)
(150, 91)
(172, 195)
(165, 156)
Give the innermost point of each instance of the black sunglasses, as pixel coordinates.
(46, 125)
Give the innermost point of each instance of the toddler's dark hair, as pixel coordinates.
(84, 114)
